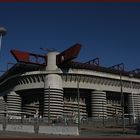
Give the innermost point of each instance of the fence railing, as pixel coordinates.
(91, 122)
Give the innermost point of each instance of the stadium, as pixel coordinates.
(55, 85)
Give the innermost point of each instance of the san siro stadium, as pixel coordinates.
(55, 85)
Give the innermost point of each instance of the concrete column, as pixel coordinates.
(134, 105)
(53, 96)
(98, 104)
(53, 91)
(2, 106)
(51, 61)
(13, 102)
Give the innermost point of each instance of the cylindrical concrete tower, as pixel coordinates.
(53, 96)
(98, 104)
(53, 91)
(13, 102)
(2, 106)
(134, 105)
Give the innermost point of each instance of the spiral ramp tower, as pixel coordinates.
(13, 102)
(134, 104)
(2, 106)
(98, 103)
(53, 91)
(53, 98)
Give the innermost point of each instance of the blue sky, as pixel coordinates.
(110, 31)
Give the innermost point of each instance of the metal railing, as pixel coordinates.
(91, 122)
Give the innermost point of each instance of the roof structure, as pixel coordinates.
(20, 68)
(64, 60)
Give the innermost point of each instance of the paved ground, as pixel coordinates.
(91, 133)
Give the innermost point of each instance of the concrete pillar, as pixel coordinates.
(98, 104)
(2, 106)
(51, 61)
(53, 91)
(134, 105)
(13, 102)
(53, 96)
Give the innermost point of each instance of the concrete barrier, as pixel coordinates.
(1, 127)
(54, 130)
(20, 128)
(59, 130)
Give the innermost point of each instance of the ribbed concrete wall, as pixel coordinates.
(2, 106)
(134, 103)
(98, 103)
(53, 96)
(53, 103)
(13, 102)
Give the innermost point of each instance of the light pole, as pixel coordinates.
(122, 104)
(2, 33)
(49, 107)
(78, 103)
(131, 86)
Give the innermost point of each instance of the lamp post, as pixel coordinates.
(49, 107)
(131, 86)
(122, 104)
(78, 103)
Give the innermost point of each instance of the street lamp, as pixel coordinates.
(122, 103)
(78, 103)
(131, 86)
(49, 107)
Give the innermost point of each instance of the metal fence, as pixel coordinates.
(108, 122)
(89, 122)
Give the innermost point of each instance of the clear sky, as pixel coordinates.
(110, 31)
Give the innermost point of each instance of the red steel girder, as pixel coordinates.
(29, 58)
(68, 54)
